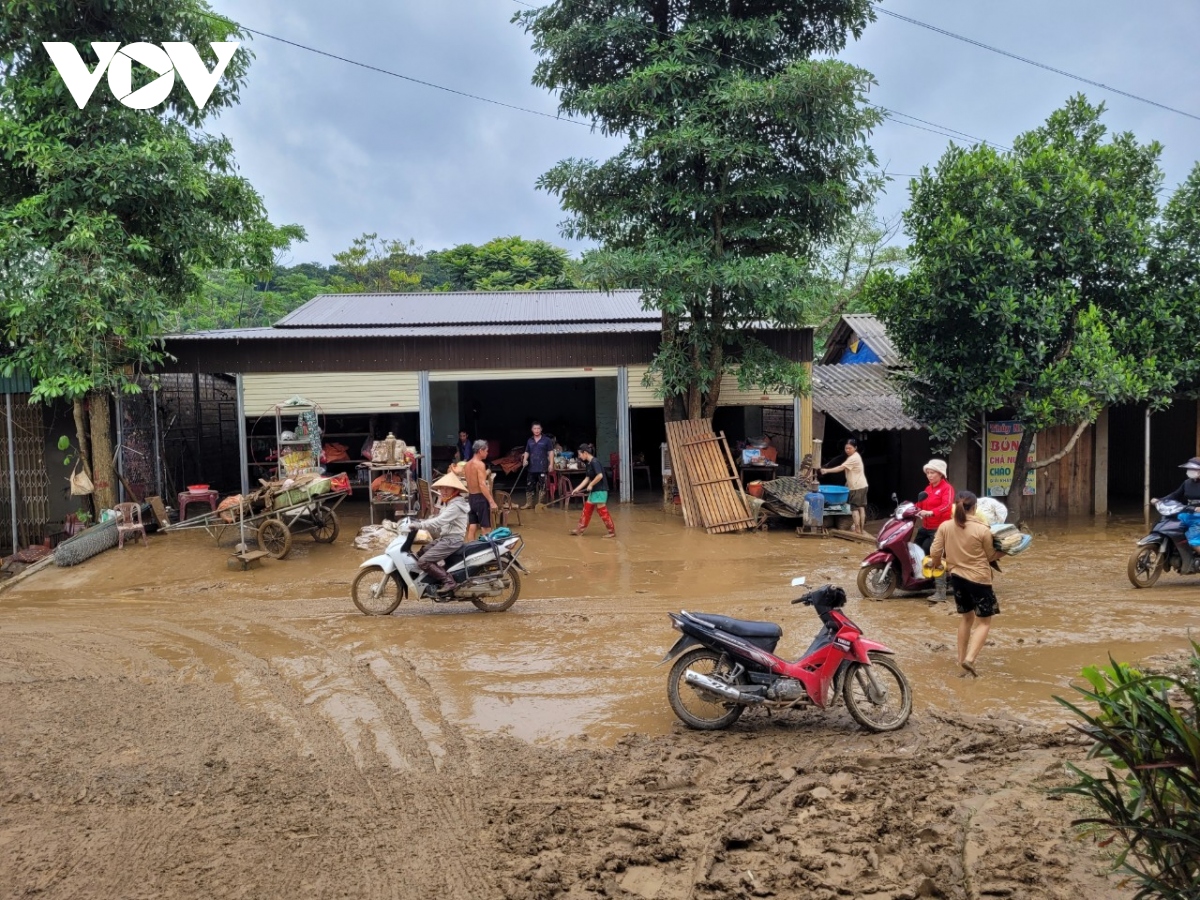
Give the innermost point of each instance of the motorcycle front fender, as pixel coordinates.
(680, 645)
(877, 558)
(384, 562)
(862, 647)
(1151, 539)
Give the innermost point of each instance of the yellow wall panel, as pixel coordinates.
(334, 392)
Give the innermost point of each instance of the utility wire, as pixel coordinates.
(1033, 62)
(371, 68)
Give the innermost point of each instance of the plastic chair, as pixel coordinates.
(507, 513)
(129, 521)
(614, 471)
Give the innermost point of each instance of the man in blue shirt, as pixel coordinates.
(539, 451)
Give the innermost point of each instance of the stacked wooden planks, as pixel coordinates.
(710, 490)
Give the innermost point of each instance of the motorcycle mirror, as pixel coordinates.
(895, 499)
(922, 496)
(796, 582)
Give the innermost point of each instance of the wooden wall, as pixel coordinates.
(1067, 487)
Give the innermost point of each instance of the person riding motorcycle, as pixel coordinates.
(448, 528)
(936, 507)
(1189, 491)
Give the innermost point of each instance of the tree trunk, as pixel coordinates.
(1016, 490)
(81, 439)
(103, 470)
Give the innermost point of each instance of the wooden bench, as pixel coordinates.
(246, 560)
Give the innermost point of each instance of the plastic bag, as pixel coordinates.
(81, 484)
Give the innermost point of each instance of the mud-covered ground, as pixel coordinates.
(170, 728)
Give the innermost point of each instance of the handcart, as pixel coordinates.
(274, 527)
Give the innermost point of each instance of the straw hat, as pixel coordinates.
(450, 481)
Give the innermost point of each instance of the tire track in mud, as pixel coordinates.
(440, 785)
(344, 692)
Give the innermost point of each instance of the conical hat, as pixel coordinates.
(450, 481)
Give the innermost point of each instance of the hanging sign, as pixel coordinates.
(1003, 441)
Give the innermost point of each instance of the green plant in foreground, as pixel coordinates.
(1146, 732)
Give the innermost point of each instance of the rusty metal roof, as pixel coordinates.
(469, 308)
(869, 329)
(422, 331)
(862, 397)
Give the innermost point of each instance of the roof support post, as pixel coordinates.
(624, 441)
(12, 472)
(120, 447)
(243, 450)
(425, 427)
(797, 431)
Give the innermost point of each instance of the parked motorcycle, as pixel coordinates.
(487, 573)
(1164, 548)
(896, 561)
(735, 668)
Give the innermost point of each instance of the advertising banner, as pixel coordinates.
(1003, 440)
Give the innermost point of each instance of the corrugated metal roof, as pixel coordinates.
(862, 397)
(467, 308)
(423, 331)
(869, 329)
(17, 383)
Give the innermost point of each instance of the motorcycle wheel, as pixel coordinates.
(375, 592)
(1145, 565)
(881, 703)
(874, 585)
(507, 596)
(695, 708)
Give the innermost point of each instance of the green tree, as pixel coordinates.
(107, 213)
(378, 265)
(1026, 282)
(505, 264)
(745, 153)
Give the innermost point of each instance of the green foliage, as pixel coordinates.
(1147, 733)
(1026, 287)
(377, 265)
(504, 264)
(107, 214)
(744, 156)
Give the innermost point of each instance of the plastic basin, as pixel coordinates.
(834, 493)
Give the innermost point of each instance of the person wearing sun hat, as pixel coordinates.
(936, 508)
(1189, 491)
(447, 528)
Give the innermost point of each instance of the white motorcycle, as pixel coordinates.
(486, 572)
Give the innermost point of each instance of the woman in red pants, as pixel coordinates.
(597, 487)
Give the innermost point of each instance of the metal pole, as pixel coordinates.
(1146, 484)
(12, 472)
(243, 459)
(120, 448)
(157, 440)
(425, 421)
(624, 442)
(983, 456)
(797, 454)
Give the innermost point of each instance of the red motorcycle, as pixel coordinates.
(735, 668)
(896, 563)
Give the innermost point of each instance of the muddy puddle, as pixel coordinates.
(577, 654)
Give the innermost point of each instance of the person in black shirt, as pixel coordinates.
(596, 486)
(538, 452)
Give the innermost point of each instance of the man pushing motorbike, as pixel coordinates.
(448, 528)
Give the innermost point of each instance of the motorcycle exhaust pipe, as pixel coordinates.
(695, 679)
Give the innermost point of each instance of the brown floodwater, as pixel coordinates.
(577, 654)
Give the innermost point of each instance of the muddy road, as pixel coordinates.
(174, 729)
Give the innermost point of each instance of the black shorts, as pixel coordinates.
(858, 498)
(970, 596)
(481, 511)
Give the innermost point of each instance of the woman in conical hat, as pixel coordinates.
(447, 528)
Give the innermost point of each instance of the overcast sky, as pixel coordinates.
(342, 150)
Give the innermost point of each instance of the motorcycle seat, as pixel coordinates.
(466, 550)
(741, 627)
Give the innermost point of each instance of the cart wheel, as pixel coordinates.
(274, 538)
(325, 525)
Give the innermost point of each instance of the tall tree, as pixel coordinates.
(375, 265)
(1026, 282)
(107, 213)
(744, 154)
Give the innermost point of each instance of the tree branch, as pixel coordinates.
(1042, 463)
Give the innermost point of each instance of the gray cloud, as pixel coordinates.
(342, 150)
